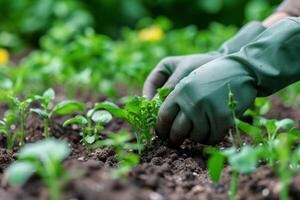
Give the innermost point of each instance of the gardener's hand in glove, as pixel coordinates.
(198, 106)
(171, 70)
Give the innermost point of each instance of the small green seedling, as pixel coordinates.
(122, 148)
(90, 124)
(232, 103)
(44, 159)
(63, 108)
(243, 161)
(140, 113)
(5, 128)
(22, 110)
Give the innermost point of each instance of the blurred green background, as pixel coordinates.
(23, 22)
(108, 47)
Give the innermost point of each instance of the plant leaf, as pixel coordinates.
(215, 166)
(45, 150)
(19, 172)
(244, 161)
(90, 139)
(79, 119)
(285, 124)
(112, 108)
(254, 132)
(49, 94)
(67, 107)
(102, 116)
(40, 112)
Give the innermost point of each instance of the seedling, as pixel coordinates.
(63, 108)
(232, 103)
(126, 159)
(5, 128)
(140, 113)
(44, 159)
(243, 161)
(90, 124)
(22, 110)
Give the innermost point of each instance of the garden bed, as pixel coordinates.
(164, 173)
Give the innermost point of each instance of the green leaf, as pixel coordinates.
(67, 107)
(10, 117)
(163, 93)
(285, 124)
(244, 161)
(2, 123)
(19, 172)
(90, 139)
(270, 126)
(215, 166)
(49, 94)
(254, 132)
(102, 116)
(76, 120)
(45, 150)
(40, 112)
(112, 108)
(133, 106)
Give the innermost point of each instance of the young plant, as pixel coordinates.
(232, 103)
(140, 113)
(5, 128)
(44, 159)
(90, 124)
(126, 159)
(22, 111)
(243, 161)
(63, 108)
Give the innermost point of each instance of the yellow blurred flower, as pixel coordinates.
(4, 56)
(151, 34)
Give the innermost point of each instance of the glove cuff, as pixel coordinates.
(247, 34)
(273, 58)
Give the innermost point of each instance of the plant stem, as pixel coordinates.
(233, 184)
(231, 137)
(284, 180)
(237, 130)
(46, 128)
(22, 136)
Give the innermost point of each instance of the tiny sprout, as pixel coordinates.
(63, 108)
(22, 109)
(44, 159)
(232, 103)
(120, 143)
(140, 113)
(91, 124)
(5, 128)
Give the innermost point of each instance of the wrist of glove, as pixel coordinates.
(198, 106)
(171, 70)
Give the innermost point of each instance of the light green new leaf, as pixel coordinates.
(67, 107)
(19, 172)
(90, 139)
(75, 120)
(102, 116)
(40, 112)
(46, 150)
(285, 124)
(244, 161)
(112, 108)
(49, 94)
(254, 132)
(215, 166)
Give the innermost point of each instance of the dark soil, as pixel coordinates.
(164, 173)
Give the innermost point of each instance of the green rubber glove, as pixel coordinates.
(198, 106)
(172, 69)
